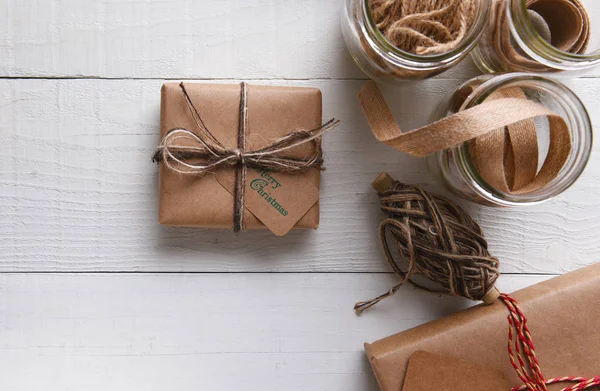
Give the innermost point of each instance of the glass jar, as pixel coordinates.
(540, 36)
(383, 62)
(455, 168)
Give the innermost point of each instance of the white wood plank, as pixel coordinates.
(78, 191)
(179, 39)
(254, 39)
(211, 332)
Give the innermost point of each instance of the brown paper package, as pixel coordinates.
(562, 315)
(192, 201)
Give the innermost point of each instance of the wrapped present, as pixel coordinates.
(239, 156)
(468, 350)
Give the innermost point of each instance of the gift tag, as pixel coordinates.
(427, 371)
(277, 199)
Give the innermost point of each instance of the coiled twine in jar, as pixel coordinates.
(424, 27)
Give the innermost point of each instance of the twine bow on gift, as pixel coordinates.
(198, 153)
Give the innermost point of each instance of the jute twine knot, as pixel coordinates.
(437, 239)
(239, 156)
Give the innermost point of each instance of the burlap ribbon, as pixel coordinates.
(568, 29)
(200, 152)
(504, 145)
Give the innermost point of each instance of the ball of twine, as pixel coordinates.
(424, 27)
(437, 239)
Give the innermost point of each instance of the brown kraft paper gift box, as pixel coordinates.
(563, 320)
(201, 201)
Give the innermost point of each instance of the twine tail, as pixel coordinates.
(362, 306)
(238, 194)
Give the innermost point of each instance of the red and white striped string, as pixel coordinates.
(522, 355)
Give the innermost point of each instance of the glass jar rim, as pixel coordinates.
(393, 53)
(540, 49)
(480, 93)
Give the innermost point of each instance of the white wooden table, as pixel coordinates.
(95, 295)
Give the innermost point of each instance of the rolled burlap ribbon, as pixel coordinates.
(501, 131)
(566, 22)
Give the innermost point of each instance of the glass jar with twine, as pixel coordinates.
(540, 36)
(393, 41)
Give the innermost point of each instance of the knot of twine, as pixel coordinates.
(424, 27)
(199, 152)
(239, 156)
(437, 239)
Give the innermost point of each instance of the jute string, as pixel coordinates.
(437, 239)
(502, 134)
(199, 152)
(424, 27)
(567, 25)
(421, 27)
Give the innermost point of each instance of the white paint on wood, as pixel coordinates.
(179, 39)
(202, 331)
(174, 39)
(78, 191)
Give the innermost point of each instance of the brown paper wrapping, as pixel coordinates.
(428, 371)
(562, 316)
(192, 201)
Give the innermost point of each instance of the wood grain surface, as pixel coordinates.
(79, 193)
(250, 39)
(216, 332)
(95, 295)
